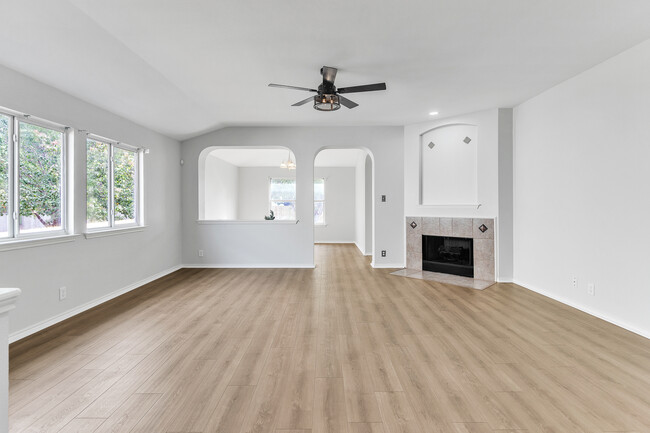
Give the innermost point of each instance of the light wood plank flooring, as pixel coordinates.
(342, 348)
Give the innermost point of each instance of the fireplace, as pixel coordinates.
(448, 255)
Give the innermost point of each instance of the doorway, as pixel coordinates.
(343, 198)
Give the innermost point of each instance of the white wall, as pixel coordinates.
(339, 199)
(360, 203)
(582, 188)
(254, 202)
(91, 269)
(339, 205)
(494, 183)
(363, 204)
(449, 168)
(369, 197)
(220, 189)
(273, 244)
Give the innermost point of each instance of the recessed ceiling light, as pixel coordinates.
(433, 113)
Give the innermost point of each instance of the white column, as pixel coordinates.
(7, 303)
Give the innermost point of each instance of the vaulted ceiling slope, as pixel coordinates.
(186, 67)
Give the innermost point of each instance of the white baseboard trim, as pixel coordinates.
(360, 249)
(19, 335)
(334, 242)
(387, 265)
(605, 317)
(246, 266)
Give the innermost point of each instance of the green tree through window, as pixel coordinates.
(41, 171)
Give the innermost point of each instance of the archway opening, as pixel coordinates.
(343, 198)
(247, 184)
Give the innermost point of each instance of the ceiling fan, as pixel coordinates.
(328, 97)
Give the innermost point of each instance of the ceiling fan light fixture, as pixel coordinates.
(327, 102)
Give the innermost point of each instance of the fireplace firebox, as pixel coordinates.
(448, 255)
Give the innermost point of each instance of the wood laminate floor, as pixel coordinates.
(341, 348)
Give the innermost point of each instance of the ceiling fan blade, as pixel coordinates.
(303, 102)
(329, 74)
(346, 102)
(282, 86)
(364, 88)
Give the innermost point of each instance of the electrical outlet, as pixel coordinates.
(63, 292)
(591, 289)
(383, 199)
(383, 253)
(200, 253)
(574, 282)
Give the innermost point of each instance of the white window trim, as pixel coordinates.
(15, 239)
(324, 223)
(113, 227)
(103, 232)
(18, 244)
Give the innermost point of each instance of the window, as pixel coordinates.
(32, 177)
(282, 193)
(319, 201)
(112, 198)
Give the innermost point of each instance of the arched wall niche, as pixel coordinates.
(449, 165)
(225, 188)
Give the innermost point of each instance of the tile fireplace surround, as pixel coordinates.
(456, 227)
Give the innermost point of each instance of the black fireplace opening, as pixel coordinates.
(448, 255)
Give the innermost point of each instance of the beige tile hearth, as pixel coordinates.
(470, 283)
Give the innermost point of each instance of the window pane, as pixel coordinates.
(284, 210)
(40, 160)
(283, 189)
(319, 189)
(4, 175)
(319, 217)
(97, 183)
(124, 185)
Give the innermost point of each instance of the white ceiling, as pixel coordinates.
(274, 157)
(184, 68)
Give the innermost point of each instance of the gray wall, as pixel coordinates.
(91, 269)
(262, 244)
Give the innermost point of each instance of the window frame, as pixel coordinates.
(324, 223)
(13, 155)
(138, 190)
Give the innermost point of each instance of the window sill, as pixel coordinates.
(17, 244)
(113, 232)
(246, 222)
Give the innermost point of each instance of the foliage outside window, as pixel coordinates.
(32, 177)
(319, 201)
(111, 184)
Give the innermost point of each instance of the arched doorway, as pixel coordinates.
(343, 198)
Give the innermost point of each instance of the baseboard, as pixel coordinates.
(334, 242)
(363, 252)
(19, 335)
(587, 310)
(387, 265)
(246, 266)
